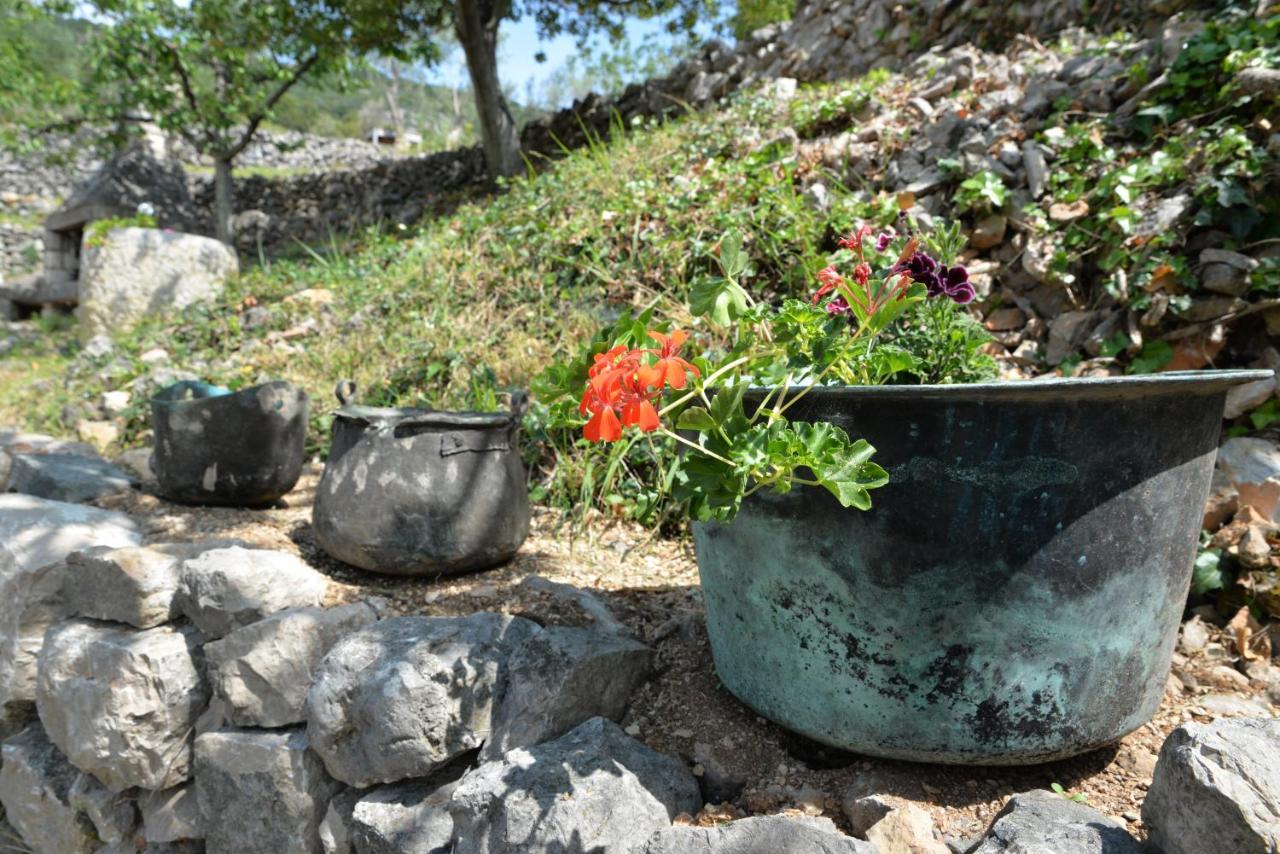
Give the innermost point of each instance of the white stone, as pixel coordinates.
(122, 702)
(171, 815)
(263, 671)
(35, 789)
(136, 585)
(260, 791)
(224, 589)
(36, 535)
(138, 272)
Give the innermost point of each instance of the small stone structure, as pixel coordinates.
(129, 179)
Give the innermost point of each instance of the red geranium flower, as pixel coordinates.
(669, 368)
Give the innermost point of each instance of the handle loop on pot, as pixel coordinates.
(519, 404)
(345, 391)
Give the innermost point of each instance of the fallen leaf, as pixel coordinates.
(906, 201)
(1163, 277)
(1250, 640)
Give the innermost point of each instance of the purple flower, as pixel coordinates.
(923, 270)
(938, 279)
(883, 240)
(956, 285)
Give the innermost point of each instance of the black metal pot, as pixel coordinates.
(1014, 593)
(419, 492)
(237, 449)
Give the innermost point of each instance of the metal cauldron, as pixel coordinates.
(420, 492)
(1013, 595)
(238, 449)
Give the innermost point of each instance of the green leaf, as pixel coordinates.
(696, 418)
(733, 259)
(1209, 574)
(722, 300)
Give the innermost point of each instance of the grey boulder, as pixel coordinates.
(403, 817)
(594, 789)
(766, 834)
(65, 477)
(260, 791)
(1216, 787)
(137, 585)
(171, 815)
(559, 678)
(122, 702)
(335, 827)
(1045, 821)
(36, 536)
(35, 789)
(224, 589)
(405, 696)
(263, 671)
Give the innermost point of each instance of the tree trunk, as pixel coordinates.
(476, 23)
(222, 200)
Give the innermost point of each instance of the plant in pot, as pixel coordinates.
(1013, 596)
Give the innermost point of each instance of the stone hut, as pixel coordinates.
(127, 180)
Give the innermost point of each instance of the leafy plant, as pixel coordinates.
(1078, 797)
(96, 234)
(1210, 573)
(984, 191)
(730, 414)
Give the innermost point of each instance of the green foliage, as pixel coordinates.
(751, 15)
(983, 192)
(1078, 797)
(39, 72)
(1210, 573)
(96, 234)
(213, 70)
(944, 343)
(834, 107)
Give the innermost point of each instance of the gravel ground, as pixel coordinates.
(651, 585)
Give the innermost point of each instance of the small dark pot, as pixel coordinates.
(241, 449)
(417, 492)
(1013, 595)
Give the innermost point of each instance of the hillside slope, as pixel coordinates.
(1120, 195)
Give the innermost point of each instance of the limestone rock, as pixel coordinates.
(113, 815)
(906, 829)
(595, 788)
(35, 789)
(1252, 466)
(410, 816)
(1037, 167)
(224, 589)
(263, 671)
(136, 585)
(36, 535)
(138, 272)
(65, 477)
(335, 827)
(406, 695)
(171, 815)
(559, 678)
(756, 835)
(260, 791)
(1045, 821)
(1216, 787)
(121, 702)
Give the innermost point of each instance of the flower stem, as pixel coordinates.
(682, 440)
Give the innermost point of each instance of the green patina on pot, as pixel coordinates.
(1014, 594)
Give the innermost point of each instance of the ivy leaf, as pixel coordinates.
(733, 260)
(722, 300)
(1209, 573)
(696, 418)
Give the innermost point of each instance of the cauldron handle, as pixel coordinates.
(518, 405)
(345, 391)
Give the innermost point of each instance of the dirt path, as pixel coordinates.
(652, 586)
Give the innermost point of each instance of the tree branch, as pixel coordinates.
(251, 127)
